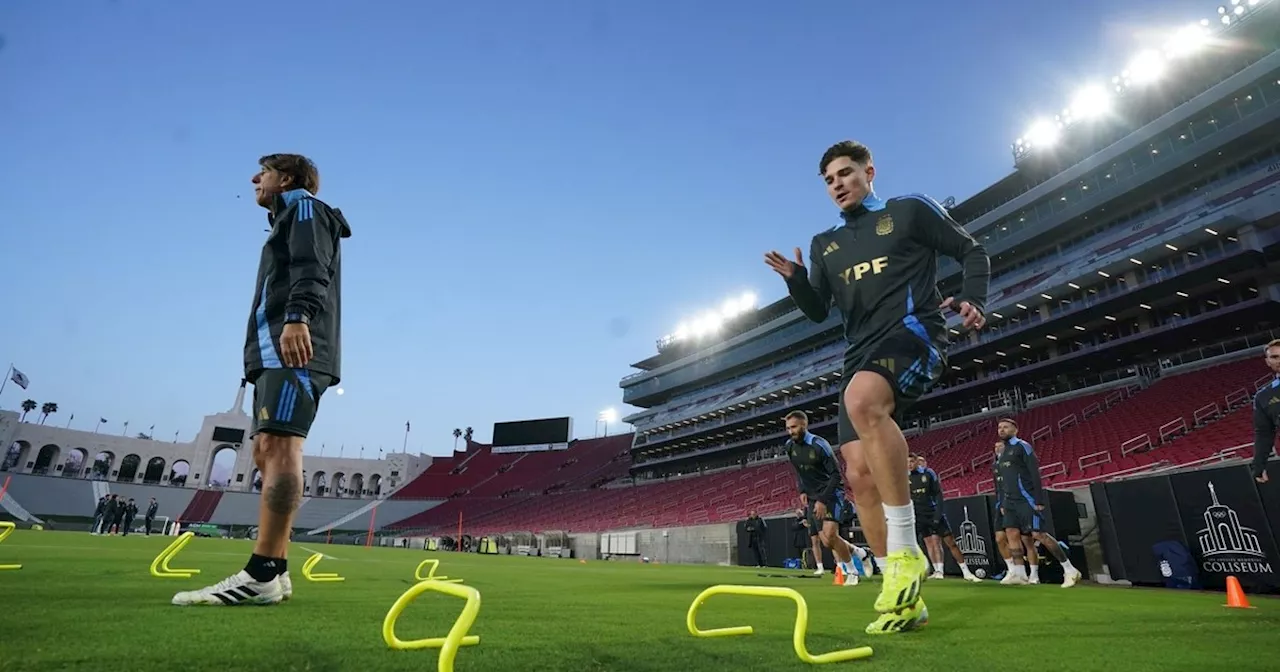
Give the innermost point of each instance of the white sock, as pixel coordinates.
(820, 567)
(964, 569)
(1066, 566)
(902, 528)
(1035, 572)
(1008, 562)
(937, 567)
(1019, 569)
(858, 552)
(847, 568)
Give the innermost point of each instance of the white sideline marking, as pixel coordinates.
(312, 550)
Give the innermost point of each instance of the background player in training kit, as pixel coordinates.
(881, 269)
(1021, 502)
(292, 355)
(931, 522)
(1266, 415)
(822, 493)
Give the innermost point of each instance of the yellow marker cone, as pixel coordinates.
(797, 634)
(160, 566)
(431, 575)
(318, 576)
(6, 529)
(449, 644)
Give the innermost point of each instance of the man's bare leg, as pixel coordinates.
(1017, 570)
(1033, 558)
(865, 496)
(869, 401)
(281, 460)
(816, 542)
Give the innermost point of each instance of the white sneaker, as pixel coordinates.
(970, 576)
(851, 579)
(286, 585)
(1071, 578)
(937, 575)
(819, 571)
(1012, 579)
(234, 590)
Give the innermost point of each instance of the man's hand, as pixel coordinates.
(1039, 507)
(973, 318)
(819, 510)
(783, 266)
(295, 345)
(804, 499)
(1002, 510)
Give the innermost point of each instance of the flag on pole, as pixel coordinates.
(19, 378)
(102, 420)
(406, 425)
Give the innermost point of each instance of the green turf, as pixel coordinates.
(88, 603)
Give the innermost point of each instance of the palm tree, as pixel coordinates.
(27, 406)
(466, 436)
(457, 434)
(46, 409)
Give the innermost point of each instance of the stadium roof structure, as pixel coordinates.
(676, 346)
(1154, 82)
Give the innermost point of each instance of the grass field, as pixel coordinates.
(88, 603)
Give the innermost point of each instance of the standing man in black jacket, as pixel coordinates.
(755, 529)
(292, 355)
(151, 515)
(880, 269)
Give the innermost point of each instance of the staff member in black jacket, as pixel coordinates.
(292, 354)
(755, 529)
(151, 514)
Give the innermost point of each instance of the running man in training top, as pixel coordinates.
(880, 268)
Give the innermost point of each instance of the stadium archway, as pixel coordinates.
(76, 463)
(102, 464)
(178, 474)
(15, 459)
(357, 485)
(222, 467)
(375, 484)
(155, 471)
(129, 468)
(317, 484)
(255, 481)
(338, 485)
(47, 459)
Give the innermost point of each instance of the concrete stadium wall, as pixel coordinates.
(703, 544)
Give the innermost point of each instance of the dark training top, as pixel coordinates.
(1266, 418)
(926, 494)
(881, 269)
(817, 470)
(299, 280)
(1018, 474)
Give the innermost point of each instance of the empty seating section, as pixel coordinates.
(1183, 417)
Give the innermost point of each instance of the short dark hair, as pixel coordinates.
(1010, 421)
(303, 170)
(855, 151)
(798, 415)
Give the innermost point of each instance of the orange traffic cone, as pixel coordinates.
(1235, 595)
(839, 576)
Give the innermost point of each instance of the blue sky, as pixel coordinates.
(538, 190)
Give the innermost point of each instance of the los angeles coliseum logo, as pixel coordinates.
(971, 544)
(1226, 546)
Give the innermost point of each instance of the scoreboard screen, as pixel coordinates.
(532, 432)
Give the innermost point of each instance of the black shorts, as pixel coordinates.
(910, 358)
(837, 511)
(285, 401)
(1021, 516)
(927, 528)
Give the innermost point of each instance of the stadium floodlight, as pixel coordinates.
(1145, 68)
(710, 322)
(1090, 102)
(1043, 133)
(609, 416)
(1187, 40)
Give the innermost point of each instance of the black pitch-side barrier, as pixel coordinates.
(1223, 517)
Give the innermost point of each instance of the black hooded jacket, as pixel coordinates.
(299, 280)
